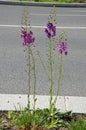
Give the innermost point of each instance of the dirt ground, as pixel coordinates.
(5, 122)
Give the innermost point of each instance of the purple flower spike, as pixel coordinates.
(62, 48)
(50, 30)
(27, 37)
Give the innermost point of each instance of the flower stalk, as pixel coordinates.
(34, 73)
(28, 40)
(29, 75)
(50, 31)
(59, 77)
(51, 73)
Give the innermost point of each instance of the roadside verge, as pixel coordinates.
(45, 4)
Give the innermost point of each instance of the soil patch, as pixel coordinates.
(5, 121)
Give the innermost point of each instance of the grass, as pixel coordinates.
(59, 1)
(75, 122)
(79, 124)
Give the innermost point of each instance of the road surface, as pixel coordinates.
(13, 78)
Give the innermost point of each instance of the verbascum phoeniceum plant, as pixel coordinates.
(56, 48)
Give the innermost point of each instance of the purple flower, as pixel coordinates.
(23, 33)
(62, 48)
(48, 33)
(27, 37)
(30, 38)
(49, 26)
(50, 30)
(54, 31)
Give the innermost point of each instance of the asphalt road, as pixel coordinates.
(13, 78)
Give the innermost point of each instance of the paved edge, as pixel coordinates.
(64, 103)
(45, 4)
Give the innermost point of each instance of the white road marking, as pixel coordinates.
(64, 103)
(10, 26)
(40, 27)
(62, 15)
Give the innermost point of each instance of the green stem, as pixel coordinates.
(51, 73)
(59, 78)
(51, 81)
(29, 74)
(34, 71)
